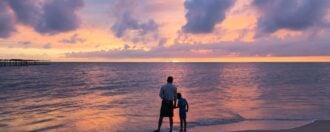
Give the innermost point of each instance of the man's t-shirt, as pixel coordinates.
(168, 92)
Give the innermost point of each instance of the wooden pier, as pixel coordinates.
(21, 62)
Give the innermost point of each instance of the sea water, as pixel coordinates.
(125, 96)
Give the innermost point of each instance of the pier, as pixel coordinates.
(21, 62)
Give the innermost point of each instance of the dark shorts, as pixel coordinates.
(166, 109)
(182, 114)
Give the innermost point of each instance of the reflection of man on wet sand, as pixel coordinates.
(168, 95)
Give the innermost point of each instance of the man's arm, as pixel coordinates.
(175, 97)
(187, 106)
(161, 93)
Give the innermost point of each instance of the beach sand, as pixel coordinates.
(269, 126)
(317, 126)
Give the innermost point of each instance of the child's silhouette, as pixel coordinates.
(183, 108)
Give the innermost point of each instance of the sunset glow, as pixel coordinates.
(165, 31)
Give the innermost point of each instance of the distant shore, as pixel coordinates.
(21, 62)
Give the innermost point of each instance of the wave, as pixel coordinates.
(216, 121)
(236, 118)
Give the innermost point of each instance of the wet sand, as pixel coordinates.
(317, 126)
(268, 126)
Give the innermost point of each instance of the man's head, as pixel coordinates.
(179, 95)
(170, 79)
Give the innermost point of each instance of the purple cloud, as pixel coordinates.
(130, 27)
(73, 39)
(203, 15)
(273, 47)
(25, 42)
(60, 16)
(27, 12)
(47, 46)
(290, 14)
(6, 21)
(45, 16)
(126, 22)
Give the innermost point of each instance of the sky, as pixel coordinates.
(166, 30)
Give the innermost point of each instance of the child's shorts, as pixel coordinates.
(182, 115)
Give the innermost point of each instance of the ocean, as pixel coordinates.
(125, 96)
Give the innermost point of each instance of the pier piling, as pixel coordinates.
(21, 62)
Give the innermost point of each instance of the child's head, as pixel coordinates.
(179, 95)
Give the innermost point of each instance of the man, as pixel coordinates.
(168, 95)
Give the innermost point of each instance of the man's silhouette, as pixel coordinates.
(168, 95)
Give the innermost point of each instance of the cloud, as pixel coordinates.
(60, 16)
(73, 40)
(127, 53)
(25, 42)
(27, 12)
(45, 16)
(294, 15)
(131, 25)
(126, 22)
(47, 46)
(272, 47)
(6, 21)
(203, 15)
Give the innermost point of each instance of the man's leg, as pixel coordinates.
(171, 124)
(181, 124)
(185, 124)
(160, 122)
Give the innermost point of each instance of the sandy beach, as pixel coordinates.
(269, 126)
(317, 126)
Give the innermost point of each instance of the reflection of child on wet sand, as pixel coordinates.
(183, 108)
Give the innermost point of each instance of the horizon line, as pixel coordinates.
(303, 59)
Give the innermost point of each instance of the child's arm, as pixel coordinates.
(187, 106)
(175, 97)
(177, 106)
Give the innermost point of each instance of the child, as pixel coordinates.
(183, 108)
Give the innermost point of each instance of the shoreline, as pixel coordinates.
(316, 126)
(268, 126)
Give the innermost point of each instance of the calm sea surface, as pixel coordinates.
(124, 96)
